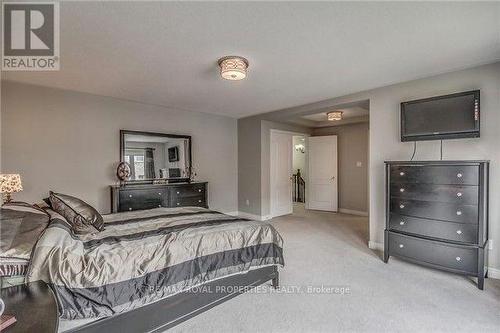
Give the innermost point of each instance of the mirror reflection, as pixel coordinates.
(156, 157)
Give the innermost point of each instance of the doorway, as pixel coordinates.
(299, 169)
(303, 173)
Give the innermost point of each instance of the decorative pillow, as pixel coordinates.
(82, 217)
(43, 205)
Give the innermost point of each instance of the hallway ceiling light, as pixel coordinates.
(334, 115)
(233, 68)
(300, 148)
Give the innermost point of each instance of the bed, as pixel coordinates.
(151, 264)
(20, 226)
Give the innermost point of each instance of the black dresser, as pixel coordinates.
(437, 215)
(146, 196)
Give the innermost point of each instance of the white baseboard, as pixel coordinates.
(352, 212)
(493, 273)
(376, 246)
(253, 216)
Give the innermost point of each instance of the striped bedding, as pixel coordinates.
(144, 256)
(20, 226)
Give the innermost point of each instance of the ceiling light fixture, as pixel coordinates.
(233, 68)
(334, 115)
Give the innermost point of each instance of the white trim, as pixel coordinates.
(376, 246)
(352, 212)
(253, 216)
(493, 273)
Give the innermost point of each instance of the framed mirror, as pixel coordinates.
(156, 156)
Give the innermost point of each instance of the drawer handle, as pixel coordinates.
(130, 195)
(401, 246)
(401, 206)
(401, 190)
(130, 208)
(459, 212)
(458, 258)
(178, 192)
(459, 232)
(402, 223)
(459, 194)
(459, 175)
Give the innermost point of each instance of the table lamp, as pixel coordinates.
(10, 183)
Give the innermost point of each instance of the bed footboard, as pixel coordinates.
(171, 311)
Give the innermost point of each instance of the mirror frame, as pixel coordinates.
(152, 181)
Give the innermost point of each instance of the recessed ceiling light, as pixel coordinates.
(334, 115)
(233, 68)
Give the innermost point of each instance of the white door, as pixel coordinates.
(281, 173)
(323, 182)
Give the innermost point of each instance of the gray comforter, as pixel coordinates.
(144, 256)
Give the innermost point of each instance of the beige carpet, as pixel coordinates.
(330, 250)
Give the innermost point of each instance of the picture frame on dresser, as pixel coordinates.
(437, 215)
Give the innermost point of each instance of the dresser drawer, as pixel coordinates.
(137, 199)
(434, 174)
(458, 232)
(198, 201)
(449, 256)
(435, 210)
(466, 195)
(193, 190)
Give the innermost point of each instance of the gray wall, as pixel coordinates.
(254, 136)
(352, 148)
(385, 141)
(249, 165)
(69, 142)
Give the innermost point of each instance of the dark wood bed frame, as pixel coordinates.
(173, 310)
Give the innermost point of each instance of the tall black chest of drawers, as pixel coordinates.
(146, 196)
(437, 215)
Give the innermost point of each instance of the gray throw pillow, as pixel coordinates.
(82, 217)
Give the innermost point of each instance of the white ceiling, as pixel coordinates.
(166, 53)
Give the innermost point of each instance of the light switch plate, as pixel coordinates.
(359, 164)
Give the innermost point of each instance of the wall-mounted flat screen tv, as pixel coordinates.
(452, 116)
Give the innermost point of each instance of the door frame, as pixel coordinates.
(291, 133)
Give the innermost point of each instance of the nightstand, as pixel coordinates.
(34, 306)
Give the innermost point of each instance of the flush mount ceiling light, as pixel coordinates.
(233, 68)
(334, 115)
